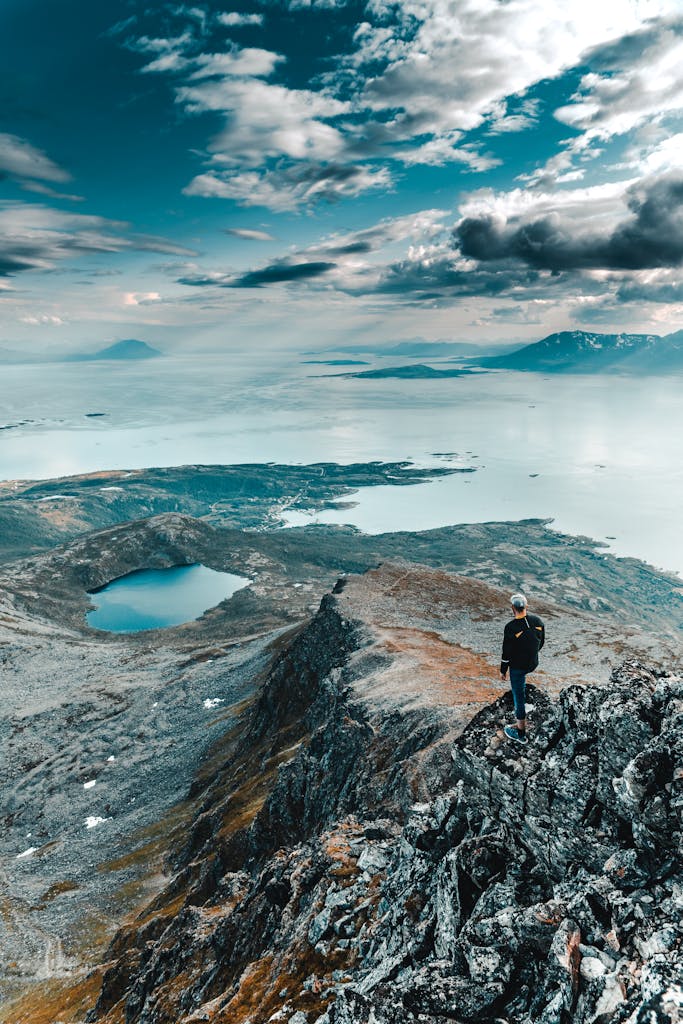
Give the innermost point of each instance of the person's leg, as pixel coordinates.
(518, 687)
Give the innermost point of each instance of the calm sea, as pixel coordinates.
(598, 455)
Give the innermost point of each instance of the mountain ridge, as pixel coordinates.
(367, 850)
(588, 352)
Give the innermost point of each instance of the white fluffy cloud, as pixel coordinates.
(635, 89)
(288, 189)
(267, 120)
(452, 62)
(234, 19)
(421, 76)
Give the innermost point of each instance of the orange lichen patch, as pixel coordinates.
(260, 987)
(58, 889)
(337, 847)
(245, 803)
(436, 671)
(66, 1000)
(165, 913)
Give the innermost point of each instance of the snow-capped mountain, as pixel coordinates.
(586, 352)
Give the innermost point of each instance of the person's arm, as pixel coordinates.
(507, 652)
(540, 629)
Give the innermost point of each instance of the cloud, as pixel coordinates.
(317, 5)
(35, 237)
(140, 298)
(661, 288)
(446, 68)
(246, 63)
(233, 19)
(290, 188)
(45, 190)
(651, 235)
(43, 321)
(443, 149)
(279, 272)
(267, 120)
(250, 234)
(19, 159)
(170, 51)
(342, 258)
(635, 82)
(414, 81)
(637, 77)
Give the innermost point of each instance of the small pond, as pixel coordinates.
(156, 598)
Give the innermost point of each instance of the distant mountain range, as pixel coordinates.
(418, 348)
(585, 352)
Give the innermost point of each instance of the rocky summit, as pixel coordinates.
(368, 848)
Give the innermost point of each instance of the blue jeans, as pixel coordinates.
(518, 686)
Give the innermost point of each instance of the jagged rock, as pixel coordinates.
(542, 886)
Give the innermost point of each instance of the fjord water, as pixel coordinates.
(600, 455)
(156, 598)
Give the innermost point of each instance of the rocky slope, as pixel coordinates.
(367, 848)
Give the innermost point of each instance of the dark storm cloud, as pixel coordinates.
(279, 272)
(275, 273)
(651, 237)
(352, 249)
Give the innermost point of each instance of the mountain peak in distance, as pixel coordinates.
(588, 352)
(130, 348)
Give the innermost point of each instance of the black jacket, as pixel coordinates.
(522, 640)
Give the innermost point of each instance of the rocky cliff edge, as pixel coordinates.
(370, 850)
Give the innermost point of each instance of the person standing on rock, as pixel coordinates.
(523, 638)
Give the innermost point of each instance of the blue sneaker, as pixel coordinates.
(513, 733)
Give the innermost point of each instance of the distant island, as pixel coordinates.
(120, 350)
(415, 371)
(586, 352)
(334, 362)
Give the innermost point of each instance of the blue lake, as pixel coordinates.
(156, 598)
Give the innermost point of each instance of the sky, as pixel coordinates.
(320, 173)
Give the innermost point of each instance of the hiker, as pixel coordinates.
(522, 640)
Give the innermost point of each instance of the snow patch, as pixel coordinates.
(93, 820)
(27, 853)
(212, 702)
(90, 784)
